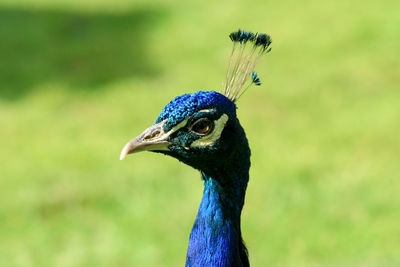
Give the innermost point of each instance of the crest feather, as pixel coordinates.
(247, 49)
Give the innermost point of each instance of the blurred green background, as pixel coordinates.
(79, 78)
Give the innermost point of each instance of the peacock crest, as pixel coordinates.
(247, 49)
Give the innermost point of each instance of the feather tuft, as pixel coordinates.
(248, 47)
(255, 79)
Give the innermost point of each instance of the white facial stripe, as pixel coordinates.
(183, 123)
(215, 135)
(205, 110)
(165, 135)
(177, 127)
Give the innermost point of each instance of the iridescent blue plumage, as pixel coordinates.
(186, 105)
(202, 130)
(216, 238)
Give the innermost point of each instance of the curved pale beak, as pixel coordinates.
(153, 138)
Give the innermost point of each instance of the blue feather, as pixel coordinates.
(215, 239)
(186, 105)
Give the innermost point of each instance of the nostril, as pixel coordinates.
(153, 134)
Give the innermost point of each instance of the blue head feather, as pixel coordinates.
(186, 105)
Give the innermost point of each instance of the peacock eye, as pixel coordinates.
(202, 126)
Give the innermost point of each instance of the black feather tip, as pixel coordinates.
(256, 80)
(258, 39)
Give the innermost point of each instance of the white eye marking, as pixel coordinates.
(209, 139)
(164, 135)
(184, 122)
(206, 110)
(178, 126)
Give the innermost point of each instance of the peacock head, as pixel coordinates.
(200, 129)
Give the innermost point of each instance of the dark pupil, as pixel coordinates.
(202, 126)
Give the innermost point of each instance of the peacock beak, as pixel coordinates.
(153, 138)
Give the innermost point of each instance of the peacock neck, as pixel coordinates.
(216, 238)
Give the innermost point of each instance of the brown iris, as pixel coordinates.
(202, 126)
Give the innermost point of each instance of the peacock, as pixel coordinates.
(202, 130)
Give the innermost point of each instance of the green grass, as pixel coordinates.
(78, 79)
